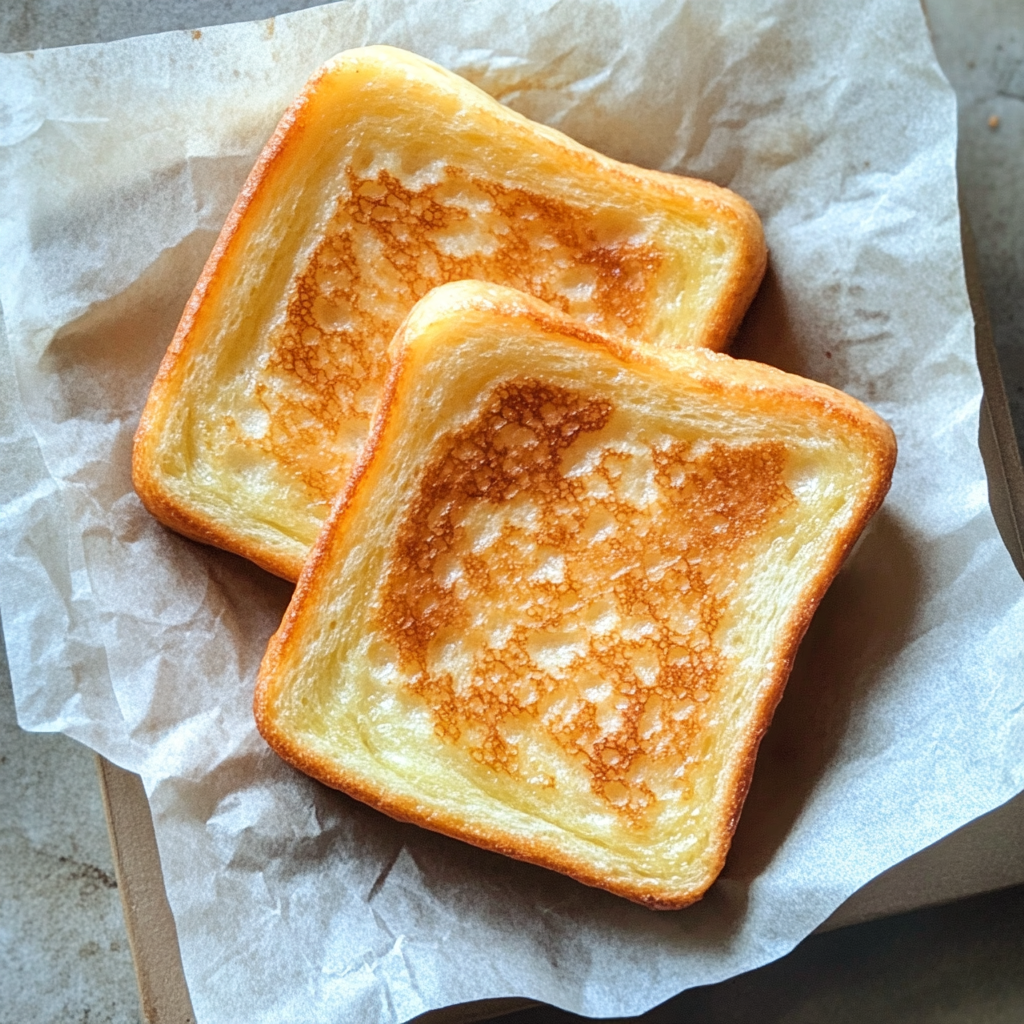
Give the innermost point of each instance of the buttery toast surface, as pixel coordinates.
(389, 176)
(554, 608)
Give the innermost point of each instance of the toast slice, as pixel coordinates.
(557, 603)
(386, 177)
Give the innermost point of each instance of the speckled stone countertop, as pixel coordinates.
(64, 956)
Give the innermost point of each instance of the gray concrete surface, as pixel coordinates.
(63, 951)
(64, 955)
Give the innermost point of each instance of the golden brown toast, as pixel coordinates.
(386, 177)
(557, 603)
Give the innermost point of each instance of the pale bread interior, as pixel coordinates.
(390, 176)
(555, 610)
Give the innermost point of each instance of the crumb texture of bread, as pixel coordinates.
(555, 608)
(387, 177)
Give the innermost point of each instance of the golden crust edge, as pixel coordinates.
(159, 500)
(878, 439)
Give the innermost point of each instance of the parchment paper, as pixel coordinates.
(905, 715)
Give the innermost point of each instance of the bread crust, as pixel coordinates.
(149, 484)
(752, 385)
(174, 505)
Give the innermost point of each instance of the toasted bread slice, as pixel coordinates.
(556, 605)
(389, 176)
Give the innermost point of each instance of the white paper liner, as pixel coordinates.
(904, 718)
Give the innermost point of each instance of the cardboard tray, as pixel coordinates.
(982, 856)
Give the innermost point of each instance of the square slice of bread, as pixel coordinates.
(554, 609)
(389, 176)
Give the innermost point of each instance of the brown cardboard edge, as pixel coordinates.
(152, 934)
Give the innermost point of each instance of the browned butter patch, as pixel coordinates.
(387, 245)
(588, 606)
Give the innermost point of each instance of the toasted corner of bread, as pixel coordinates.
(556, 605)
(389, 176)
